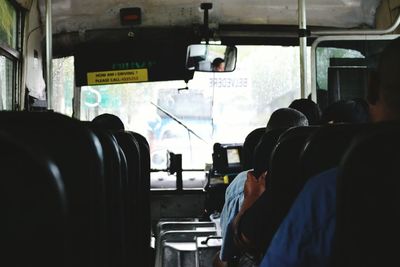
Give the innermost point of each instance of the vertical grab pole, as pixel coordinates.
(49, 54)
(303, 46)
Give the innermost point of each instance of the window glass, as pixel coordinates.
(343, 68)
(63, 85)
(217, 107)
(8, 24)
(324, 54)
(6, 83)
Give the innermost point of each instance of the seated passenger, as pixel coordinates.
(281, 118)
(305, 238)
(309, 108)
(346, 111)
(109, 122)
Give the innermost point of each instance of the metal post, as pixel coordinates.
(303, 46)
(49, 53)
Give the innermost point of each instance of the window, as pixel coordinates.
(63, 85)
(218, 107)
(8, 24)
(9, 56)
(6, 83)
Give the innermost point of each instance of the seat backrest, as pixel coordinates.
(325, 148)
(263, 150)
(282, 184)
(33, 207)
(114, 196)
(368, 191)
(132, 196)
(249, 146)
(144, 235)
(78, 154)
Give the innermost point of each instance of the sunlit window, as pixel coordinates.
(8, 24)
(6, 83)
(217, 107)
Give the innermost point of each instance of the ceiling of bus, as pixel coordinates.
(78, 15)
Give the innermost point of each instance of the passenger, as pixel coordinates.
(305, 238)
(308, 108)
(281, 118)
(218, 64)
(109, 122)
(322, 98)
(346, 111)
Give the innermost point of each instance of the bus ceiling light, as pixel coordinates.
(130, 16)
(212, 42)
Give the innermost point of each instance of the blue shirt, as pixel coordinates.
(233, 201)
(305, 237)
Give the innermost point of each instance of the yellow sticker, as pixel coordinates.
(117, 76)
(226, 179)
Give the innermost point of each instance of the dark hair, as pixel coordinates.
(217, 61)
(347, 111)
(309, 108)
(109, 122)
(286, 118)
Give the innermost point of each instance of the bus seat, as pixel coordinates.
(325, 148)
(144, 193)
(114, 196)
(136, 244)
(33, 207)
(368, 190)
(182, 243)
(78, 154)
(249, 146)
(263, 150)
(281, 188)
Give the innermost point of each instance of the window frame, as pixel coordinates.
(15, 55)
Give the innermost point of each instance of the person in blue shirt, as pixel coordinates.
(305, 237)
(280, 119)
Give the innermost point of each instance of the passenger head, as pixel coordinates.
(218, 64)
(384, 90)
(286, 118)
(346, 111)
(280, 120)
(309, 108)
(108, 122)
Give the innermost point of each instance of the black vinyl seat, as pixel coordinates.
(368, 197)
(115, 166)
(325, 148)
(133, 217)
(144, 233)
(263, 150)
(249, 145)
(33, 207)
(78, 154)
(281, 189)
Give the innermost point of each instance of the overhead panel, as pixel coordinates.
(78, 15)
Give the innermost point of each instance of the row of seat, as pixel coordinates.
(192, 242)
(302, 152)
(75, 195)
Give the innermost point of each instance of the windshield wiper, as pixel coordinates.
(178, 121)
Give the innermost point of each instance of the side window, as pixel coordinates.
(9, 54)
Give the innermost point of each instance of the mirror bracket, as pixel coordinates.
(206, 30)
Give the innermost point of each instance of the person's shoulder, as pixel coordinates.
(237, 185)
(322, 180)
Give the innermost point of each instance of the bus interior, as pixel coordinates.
(81, 192)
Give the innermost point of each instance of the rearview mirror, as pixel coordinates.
(211, 58)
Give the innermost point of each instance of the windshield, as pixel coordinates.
(216, 107)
